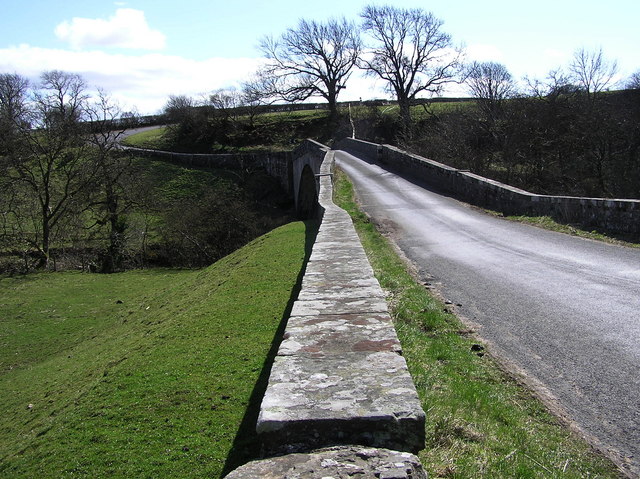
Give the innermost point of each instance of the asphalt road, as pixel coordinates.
(563, 310)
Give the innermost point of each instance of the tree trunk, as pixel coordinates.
(332, 98)
(46, 238)
(405, 118)
(113, 260)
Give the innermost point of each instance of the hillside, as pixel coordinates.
(146, 373)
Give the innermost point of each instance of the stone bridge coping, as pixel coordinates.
(339, 376)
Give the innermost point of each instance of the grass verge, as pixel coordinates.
(153, 139)
(154, 373)
(480, 422)
(549, 223)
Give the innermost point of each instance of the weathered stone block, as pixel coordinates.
(354, 267)
(340, 291)
(328, 336)
(339, 305)
(355, 398)
(346, 462)
(313, 282)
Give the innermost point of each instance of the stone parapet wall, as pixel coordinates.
(613, 215)
(339, 376)
(276, 164)
(340, 401)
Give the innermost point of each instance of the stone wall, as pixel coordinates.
(276, 164)
(613, 215)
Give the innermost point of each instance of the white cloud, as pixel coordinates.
(128, 28)
(141, 81)
(144, 82)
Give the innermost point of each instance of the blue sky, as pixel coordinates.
(141, 51)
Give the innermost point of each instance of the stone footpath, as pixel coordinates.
(339, 378)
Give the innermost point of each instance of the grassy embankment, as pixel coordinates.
(152, 138)
(480, 422)
(154, 373)
(266, 132)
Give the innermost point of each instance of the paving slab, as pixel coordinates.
(335, 272)
(341, 255)
(355, 267)
(340, 293)
(337, 282)
(354, 288)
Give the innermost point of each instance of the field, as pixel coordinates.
(151, 138)
(153, 373)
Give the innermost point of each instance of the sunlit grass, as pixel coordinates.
(144, 373)
(549, 223)
(153, 139)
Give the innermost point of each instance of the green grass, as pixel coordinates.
(549, 223)
(170, 182)
(147, 139)
(152, 373)
(480, 421)
(276, 117)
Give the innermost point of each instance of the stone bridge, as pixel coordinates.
(297, 172)
(340, 401)
(305, 176)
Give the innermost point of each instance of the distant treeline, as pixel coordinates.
(565, 142)
(560, 144)
(162, 118)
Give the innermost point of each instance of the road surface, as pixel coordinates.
(563, 310)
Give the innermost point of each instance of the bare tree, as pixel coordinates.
(556, 84)
(490, 83)
(256, 94)
(13, 107)
(314, 59)
(114, 190)
(411, 53)
(179, 107)
(49, 159)
(187, 121)
(226, 103)
(633, 81)
(592, 72)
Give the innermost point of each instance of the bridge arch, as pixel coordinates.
(307, 200)
(306, 170)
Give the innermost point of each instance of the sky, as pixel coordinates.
(142, 51)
